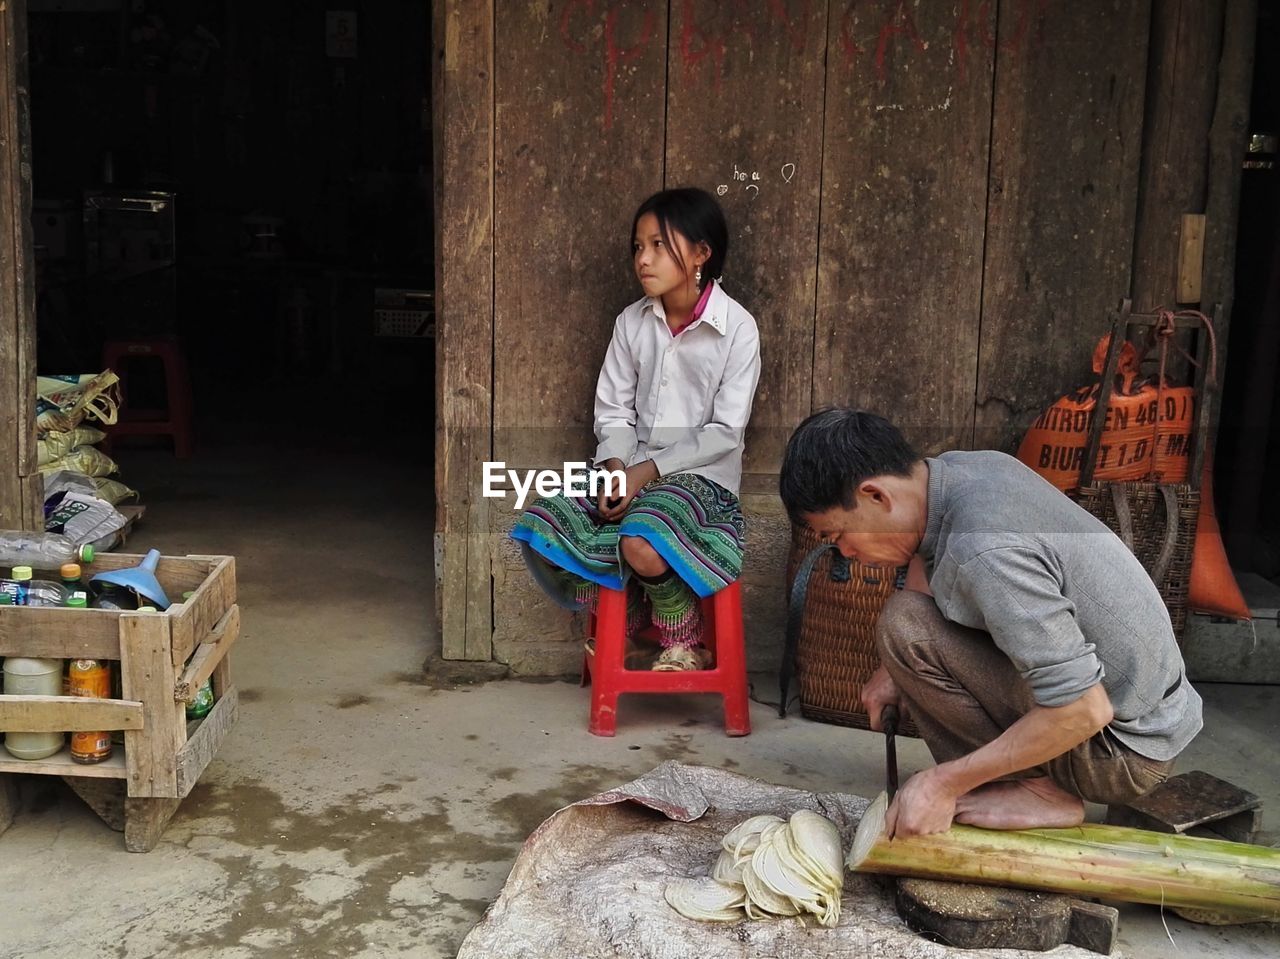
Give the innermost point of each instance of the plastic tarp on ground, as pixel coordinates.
(588, 883)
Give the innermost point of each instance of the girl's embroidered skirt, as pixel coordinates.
(694, 524)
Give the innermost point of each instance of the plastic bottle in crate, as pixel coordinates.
(27, 591)
(77, 600)
(71, 578)
(200, 707)
(111, 596)
(40, 550)
(90, 678)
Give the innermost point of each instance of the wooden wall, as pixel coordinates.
(907, 145)
(744, 121)
(1066, 135)
(933, 206)
(593, 112)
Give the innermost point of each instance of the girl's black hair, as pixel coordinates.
(696, 216)
(832, 452)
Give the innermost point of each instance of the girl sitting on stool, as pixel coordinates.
(672, 404)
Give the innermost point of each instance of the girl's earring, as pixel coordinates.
(697, 276)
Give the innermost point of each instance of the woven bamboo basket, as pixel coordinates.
(836, 651)
(1157, 521)
(1160, 530)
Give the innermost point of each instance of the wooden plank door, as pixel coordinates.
(1065, 151)
(581, 92)
(744, 122)
(1186, 41)
(908, 114)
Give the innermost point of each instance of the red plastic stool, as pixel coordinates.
(724, 639)
(175, 420)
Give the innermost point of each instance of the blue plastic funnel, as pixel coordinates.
(141, 579)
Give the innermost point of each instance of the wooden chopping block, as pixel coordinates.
(970, 916)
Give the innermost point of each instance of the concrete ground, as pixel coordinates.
(364, 807)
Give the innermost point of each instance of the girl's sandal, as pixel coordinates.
(634, 658)
(680, 659)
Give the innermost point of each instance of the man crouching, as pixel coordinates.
(1030, 647)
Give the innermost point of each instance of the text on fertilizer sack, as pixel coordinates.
(574, 479)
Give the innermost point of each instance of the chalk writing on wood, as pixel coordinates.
(749, 180)
(580, 29)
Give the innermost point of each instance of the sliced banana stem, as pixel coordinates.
(1235, 881)
(769, 867)
(705, 899)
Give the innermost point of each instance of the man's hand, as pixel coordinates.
(878, 692)
(928, 802)
(924, 805)
(614, 504)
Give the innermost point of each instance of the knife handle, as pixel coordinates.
(889, 720)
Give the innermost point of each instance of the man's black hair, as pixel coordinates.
(832, 452)
(696, 216)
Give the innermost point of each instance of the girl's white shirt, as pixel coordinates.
(681, 401)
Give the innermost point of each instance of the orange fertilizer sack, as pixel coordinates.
(1146, 437)
(1146, 432)
(1170, 462)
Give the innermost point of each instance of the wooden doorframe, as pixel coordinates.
(463, 144)
(21, 487)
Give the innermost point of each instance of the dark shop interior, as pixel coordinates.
(251, 183)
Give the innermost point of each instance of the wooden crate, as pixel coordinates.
(138, 789)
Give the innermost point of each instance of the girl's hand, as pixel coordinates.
(613, 507)
(608, 493)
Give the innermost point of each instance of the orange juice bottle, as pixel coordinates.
(90, 678)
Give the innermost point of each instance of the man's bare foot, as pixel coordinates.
(1020, 804)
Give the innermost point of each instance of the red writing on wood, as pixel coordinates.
(896, 26)
(708, 28)
(884, 33)
(889, 30)
(1027, 32)
(579, 29)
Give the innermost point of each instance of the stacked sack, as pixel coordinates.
(1146, 436)
(75, 470)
